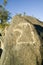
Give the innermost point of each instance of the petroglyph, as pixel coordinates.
(24, 25)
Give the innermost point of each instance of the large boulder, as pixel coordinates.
(21, 44)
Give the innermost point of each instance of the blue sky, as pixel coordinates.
(31, 7)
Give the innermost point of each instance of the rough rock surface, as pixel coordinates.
(21, 44)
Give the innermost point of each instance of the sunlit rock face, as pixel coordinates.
(21, 44)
